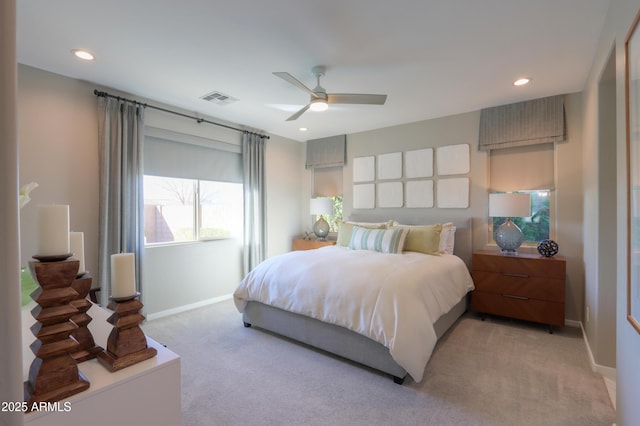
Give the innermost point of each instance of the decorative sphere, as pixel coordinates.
(548, 248)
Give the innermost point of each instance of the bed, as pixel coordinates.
(367, 306)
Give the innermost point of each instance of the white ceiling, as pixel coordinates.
(432, 58)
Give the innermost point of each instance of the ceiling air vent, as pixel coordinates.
(218, 98)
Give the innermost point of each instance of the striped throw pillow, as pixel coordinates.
(381, 240)
(346, 228)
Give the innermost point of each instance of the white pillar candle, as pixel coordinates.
(123, 275)
(53, 229)
(76, 243)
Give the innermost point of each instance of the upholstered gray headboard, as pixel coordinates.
(464, 231)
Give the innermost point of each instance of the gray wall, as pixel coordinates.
(619, 21)
(463, 129)
(10, 330)
(58, 143)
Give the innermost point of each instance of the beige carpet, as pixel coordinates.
(493, 372)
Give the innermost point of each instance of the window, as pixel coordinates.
(334, 220)
(527, 169)
(192, 188)
(181, 210)
(535, 227)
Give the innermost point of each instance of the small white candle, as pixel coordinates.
(123, 275)
(53, 229)
(76, 242)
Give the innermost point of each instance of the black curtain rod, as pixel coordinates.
(197, 119)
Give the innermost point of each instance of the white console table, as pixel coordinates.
(145, 393)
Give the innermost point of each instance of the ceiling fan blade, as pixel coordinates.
(291, 79)
(299, 113)
(354, 98)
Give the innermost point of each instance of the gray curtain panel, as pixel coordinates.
(121, 135)
(255, 229)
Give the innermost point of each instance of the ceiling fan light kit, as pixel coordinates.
(318, 105)
(320, 99)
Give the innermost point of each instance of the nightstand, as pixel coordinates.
(523, 286)
(301, 244)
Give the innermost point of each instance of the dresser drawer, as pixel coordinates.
(523, 286)
(540, 288)
(525, 309)
(522, 264)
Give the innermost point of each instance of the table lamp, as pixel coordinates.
(508, 236)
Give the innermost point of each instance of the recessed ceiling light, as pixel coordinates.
(303, 129)
(83, 54)
(521, 81)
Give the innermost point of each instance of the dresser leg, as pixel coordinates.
(550, 329)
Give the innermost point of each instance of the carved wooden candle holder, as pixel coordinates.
(88, 349)
(53, 374)
(127, 344)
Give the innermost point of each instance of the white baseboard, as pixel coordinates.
(606, 372)
(184, 308)
(572, 323)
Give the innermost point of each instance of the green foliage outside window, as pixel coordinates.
(536, 227)
(334, 220)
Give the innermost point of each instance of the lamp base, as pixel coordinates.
(508, 237)
(321, 229)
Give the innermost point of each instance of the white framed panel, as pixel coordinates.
(364, 169)
(419, 194)
(390, 166)
(390, 194)
(364, 196)
(453, 159)
(418, 163)
(453, 193)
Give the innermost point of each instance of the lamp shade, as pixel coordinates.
(321, 206)
(510, 205)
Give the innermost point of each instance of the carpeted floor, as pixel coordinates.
(493, 372)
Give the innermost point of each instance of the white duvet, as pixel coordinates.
(393, 299)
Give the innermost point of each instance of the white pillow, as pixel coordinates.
(381, 240)
(447, 238)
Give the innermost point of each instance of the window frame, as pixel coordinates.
(196, 214)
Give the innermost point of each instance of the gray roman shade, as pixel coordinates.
(326, 152)
(177, 155)
(523, 123)
(522, 168)
(327, 182)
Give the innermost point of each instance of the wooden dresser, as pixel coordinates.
(302, 244)
(523, 286)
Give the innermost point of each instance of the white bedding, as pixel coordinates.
(393, 299)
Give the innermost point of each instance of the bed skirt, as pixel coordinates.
(338, 340)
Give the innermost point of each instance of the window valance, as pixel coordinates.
(523, 123)
(326, 152)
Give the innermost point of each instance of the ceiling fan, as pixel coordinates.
(320, 99)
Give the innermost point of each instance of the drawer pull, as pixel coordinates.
(511, 296)
(509, 274)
